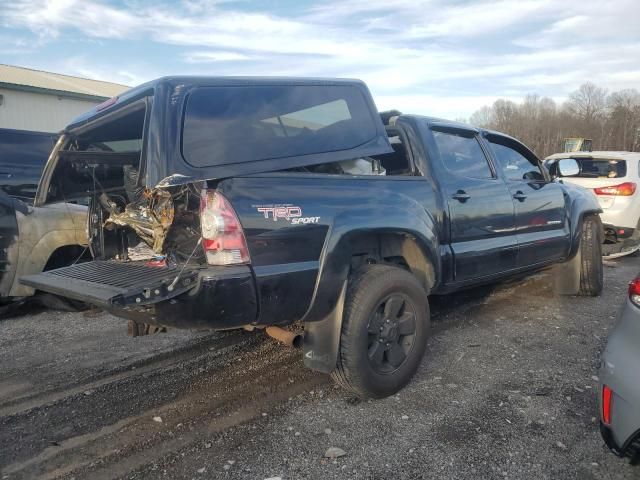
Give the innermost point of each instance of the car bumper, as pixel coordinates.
(619, 371)
(620, 240)
(223, 298)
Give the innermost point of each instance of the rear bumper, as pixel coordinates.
(621, 233)
(194, 297)
(620, 239)
(630, 449)
(223, 298)
(609, 441)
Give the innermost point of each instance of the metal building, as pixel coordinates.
(46, 102)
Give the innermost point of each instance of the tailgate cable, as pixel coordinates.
(175, 281)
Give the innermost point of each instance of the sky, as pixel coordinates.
(431, 57)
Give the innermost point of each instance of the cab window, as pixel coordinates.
(462, 154)
(514, 165)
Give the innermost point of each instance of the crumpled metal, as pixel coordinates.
(150, 217)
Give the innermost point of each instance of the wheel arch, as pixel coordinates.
(35, 257)
(395, 247)
(576, 232)
(64, 255)
(580, 203)
(411, 232)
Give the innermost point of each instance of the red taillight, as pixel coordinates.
(634, 291)
(222, 236)
(625, 189)
(606, 404)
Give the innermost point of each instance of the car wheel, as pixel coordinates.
(591, 271)
(384, 331)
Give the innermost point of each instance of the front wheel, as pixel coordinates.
(591, 271)
(384, 331)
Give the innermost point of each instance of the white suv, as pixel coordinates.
(614, 178)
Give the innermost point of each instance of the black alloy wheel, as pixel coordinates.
(392, 333)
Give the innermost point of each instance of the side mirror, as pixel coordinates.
(568, 167)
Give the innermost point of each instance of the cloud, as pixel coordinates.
(215, 56)
(431, 53)
(482, 18)
(81, 66)
(48, 18)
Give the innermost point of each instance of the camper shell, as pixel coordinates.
(180, 130)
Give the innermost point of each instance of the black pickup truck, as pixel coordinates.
(269, 201)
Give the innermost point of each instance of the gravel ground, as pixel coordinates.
(506, 390)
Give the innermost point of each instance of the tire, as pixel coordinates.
(591, 271)
(380, 304)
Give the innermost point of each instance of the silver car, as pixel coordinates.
(619, 397)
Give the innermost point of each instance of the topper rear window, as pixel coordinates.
(225, 125)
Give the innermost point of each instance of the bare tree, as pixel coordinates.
(612, 122)
(588, 102)
(482, 117)
(623, 124)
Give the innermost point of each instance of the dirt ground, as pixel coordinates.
(507, 390)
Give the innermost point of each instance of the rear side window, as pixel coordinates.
(462, 155)
(224, 125)
(601, 168)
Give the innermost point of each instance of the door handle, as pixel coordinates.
(520, 196)
(461, 196)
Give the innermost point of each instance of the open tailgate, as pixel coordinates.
(115, 284)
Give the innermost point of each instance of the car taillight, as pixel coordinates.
(606, 405)
(222, 236)
(634, 291)
(625, 189)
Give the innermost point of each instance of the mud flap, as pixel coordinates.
(322, 338)
(566, 276)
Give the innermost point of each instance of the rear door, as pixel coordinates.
(542, 225)
(481, 216)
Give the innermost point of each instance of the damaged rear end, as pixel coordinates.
(168, 246)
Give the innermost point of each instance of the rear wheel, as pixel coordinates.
(591, 271)
(384, 331)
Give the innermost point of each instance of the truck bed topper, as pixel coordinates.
(191, 129)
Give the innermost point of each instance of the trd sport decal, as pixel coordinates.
(287, 212)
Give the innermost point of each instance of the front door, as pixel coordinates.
(541, 222)
(481, 214)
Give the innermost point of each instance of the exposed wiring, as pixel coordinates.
(175, 281)
(84, 250)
